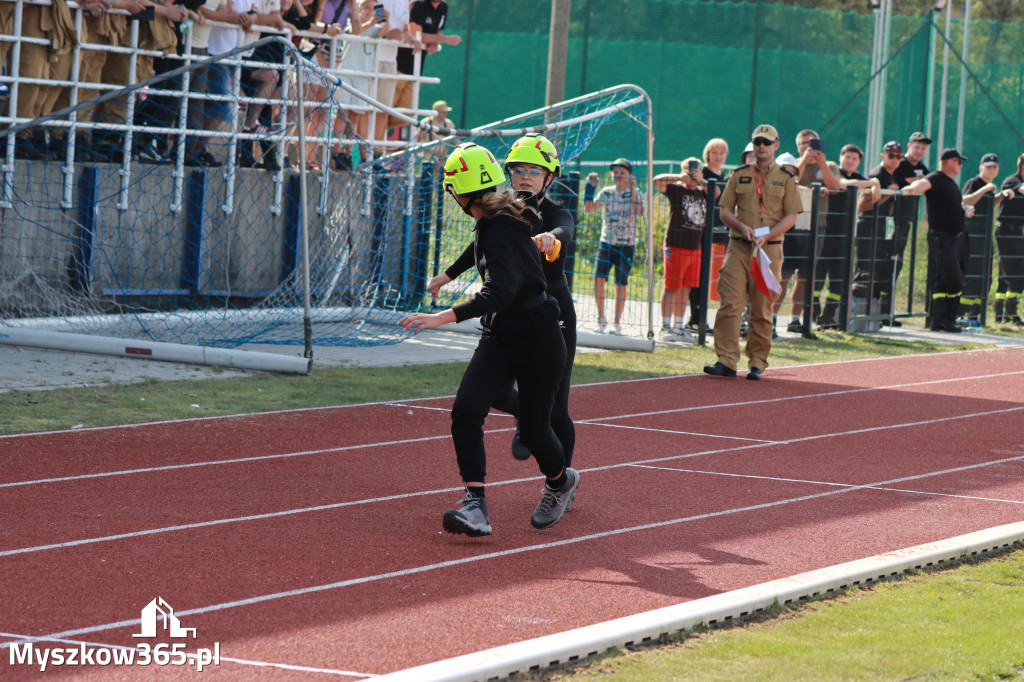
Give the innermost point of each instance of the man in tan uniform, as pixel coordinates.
(759, 204)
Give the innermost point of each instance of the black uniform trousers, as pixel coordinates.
(948, 254)
(534, 358)
(1010, 239)
(561, 422)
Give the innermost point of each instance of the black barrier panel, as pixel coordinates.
(881, 240)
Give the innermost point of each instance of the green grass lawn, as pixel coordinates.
(964, 623)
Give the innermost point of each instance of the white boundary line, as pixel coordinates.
(324, 507)
(594, 421)
(573, 645)
(243, 415)
(426, 568)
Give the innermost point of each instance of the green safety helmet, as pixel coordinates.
(536, 149)
(471, 168)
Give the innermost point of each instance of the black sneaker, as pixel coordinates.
(470, 519)
(795, 327)
(519, 451)
(342, 162)
(719, 370)
(553, 502)
(207, 160)
(754, 374)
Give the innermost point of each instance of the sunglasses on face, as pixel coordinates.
(519, 171)
(895, 156)
(762, 142)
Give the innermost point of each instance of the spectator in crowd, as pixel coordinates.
(760, 204)
(521, 341)
(160, 34)
(1010, 239)
(687, 197)
(834, 247)
(395, 27)
(217, 113)
(948, 243)
(906, 213)
(53, 22)
(814, 168)
(716, 151)
(356, 56)
(426, 24)
(259, 82)
(976, 282)
(198, 41)
(747, 157)
(440, 119)
(877, 210)
(620, 205)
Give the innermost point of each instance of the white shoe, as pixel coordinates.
(617, 331)
(602, 325)
(667, 334)
(684, 336)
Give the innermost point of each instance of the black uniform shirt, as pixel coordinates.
(945, 209)
(431, 19)
(905, 174)
(1011, 211)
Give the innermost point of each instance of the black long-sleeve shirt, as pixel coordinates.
(509, 264)
(554, 219)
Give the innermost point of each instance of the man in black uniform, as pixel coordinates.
(1010, 238)
(833, 236)
(948, 246)
(911, 168)
(976, 281)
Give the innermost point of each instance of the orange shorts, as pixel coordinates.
(682, 268)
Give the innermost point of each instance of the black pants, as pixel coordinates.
(533, 358)
(948, 256)
(561, 422)
(1010, 239)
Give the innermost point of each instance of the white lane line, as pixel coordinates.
(304, 591)
(24, 639)
(673, 432)
(594, 421)
(288, 512)
(805, 396)
(829, 483)
(244, 415)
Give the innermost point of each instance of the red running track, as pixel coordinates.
(309, 542)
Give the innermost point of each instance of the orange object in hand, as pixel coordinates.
(551, 255)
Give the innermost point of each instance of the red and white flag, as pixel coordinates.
(761, 269)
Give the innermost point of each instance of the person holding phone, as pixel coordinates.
(813, 168)
(620, 205)
(521, 340)
(687, 197)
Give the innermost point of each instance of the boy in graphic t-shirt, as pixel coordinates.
(621, 205)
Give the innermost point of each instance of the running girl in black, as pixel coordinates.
(521, 340)
(533, 165)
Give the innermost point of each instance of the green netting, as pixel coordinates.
(715, 69)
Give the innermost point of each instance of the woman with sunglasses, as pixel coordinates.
(521, 340)
(533, 164)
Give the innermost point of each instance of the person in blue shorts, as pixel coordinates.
(620, 205)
